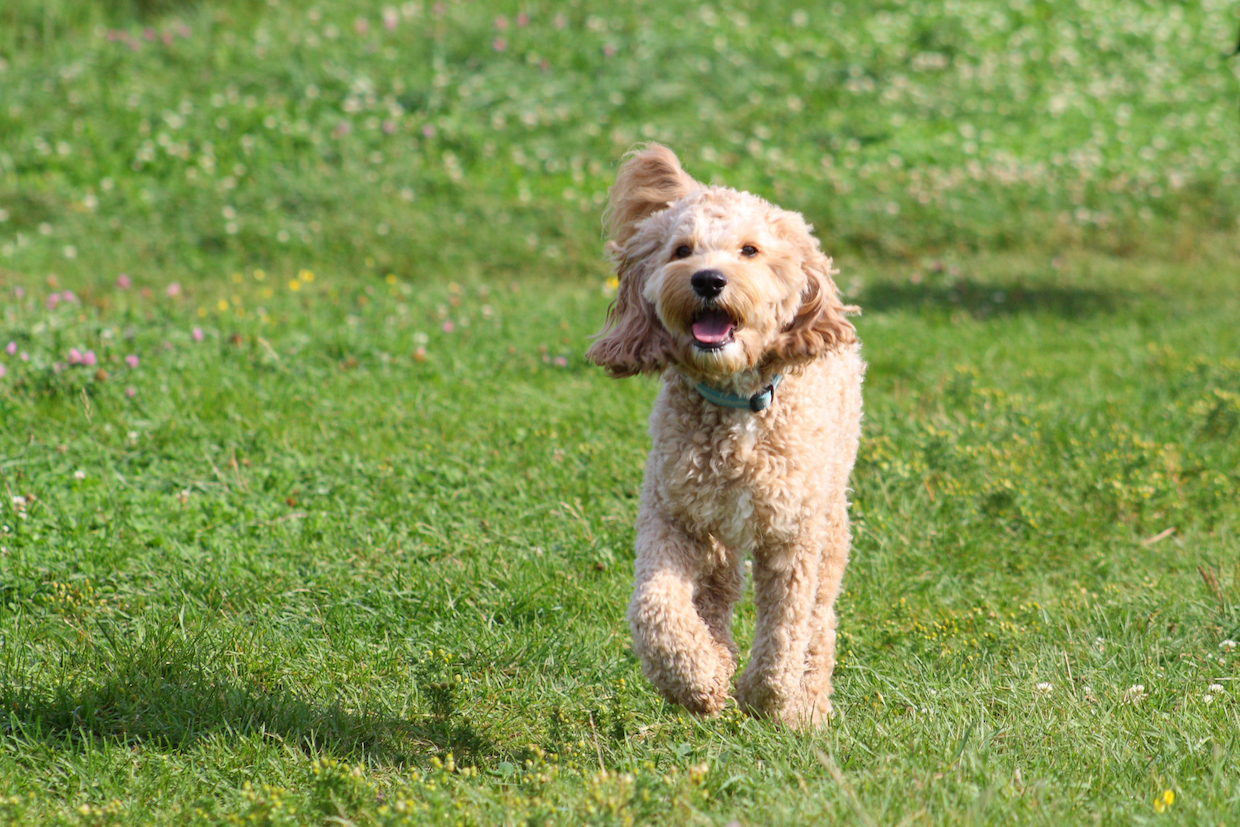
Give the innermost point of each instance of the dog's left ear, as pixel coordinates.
(821, 323)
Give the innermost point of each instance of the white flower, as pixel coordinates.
(1044, 688)
(1134, 693)
(79, 474)
(1228, 645)
(1215, 688)
(1207, 698)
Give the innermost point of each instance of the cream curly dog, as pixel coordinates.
(754, 434)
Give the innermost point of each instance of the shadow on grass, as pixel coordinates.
(982, 300)
(174, 705)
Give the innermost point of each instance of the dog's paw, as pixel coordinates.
(760, 700)
(701, 682)
(757, 697)
(704, 700)
(708, 705)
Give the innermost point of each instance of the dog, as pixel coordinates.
(754, 434)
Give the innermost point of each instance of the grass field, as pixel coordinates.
(313, 512)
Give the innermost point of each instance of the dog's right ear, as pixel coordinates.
(634, 340)
(649, 179)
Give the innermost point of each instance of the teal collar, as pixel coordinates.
(758, 402)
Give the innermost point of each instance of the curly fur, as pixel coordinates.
(722, 483)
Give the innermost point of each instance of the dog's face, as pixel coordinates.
(716, 281)
(726, 278)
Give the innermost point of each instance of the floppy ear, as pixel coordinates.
(633, 340)
(820, 324)
(649, 179)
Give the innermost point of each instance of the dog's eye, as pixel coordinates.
(684, 251)
(749, 251)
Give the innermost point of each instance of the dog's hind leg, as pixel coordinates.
(820, 657)
(718, 590)
(836, 540)
(680, 652)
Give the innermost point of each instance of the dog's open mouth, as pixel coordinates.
(713, 329)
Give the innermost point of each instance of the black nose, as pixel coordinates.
(708, 283)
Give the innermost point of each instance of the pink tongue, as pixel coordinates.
(712, 328)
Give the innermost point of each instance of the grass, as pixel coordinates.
(318, 516)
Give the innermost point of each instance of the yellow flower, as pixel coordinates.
(294, 285)
(306, 275)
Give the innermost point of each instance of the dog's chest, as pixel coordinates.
(736, 483)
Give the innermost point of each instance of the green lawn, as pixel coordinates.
(313, 512)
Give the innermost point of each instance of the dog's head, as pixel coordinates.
(712, 280)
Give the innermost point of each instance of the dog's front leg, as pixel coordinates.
(786, 585)
(680, 655)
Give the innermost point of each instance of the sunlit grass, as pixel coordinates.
(313, 512)
(389, 528)
(899, 127)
